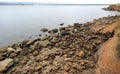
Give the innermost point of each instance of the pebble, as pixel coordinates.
(81, 54)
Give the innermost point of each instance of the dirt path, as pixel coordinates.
(108, 63)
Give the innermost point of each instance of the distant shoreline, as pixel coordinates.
(53, 4)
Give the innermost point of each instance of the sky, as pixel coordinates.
(68, 1)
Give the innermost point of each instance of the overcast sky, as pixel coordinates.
(68, 1)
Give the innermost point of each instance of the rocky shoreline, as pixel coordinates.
(67, 50)
(113, 7)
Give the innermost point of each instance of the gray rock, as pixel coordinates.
(53, 31)
(61, 24)
(64, 32)
(44, 30)
(5, 64)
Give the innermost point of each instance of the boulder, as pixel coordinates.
(5, 64)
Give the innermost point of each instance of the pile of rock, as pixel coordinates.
(67, 50)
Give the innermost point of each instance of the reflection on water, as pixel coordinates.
(19, 22)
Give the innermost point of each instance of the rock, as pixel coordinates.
(58, 61)
(38, 67)
(47, 70)
(54, 40)
(13, 55)
(64, 32)
(53, 31)
(44, 30)
(44, 43)
(81, 54)
(35, 53)
(10, 49)
(18, 50)
(68, 59)
(1, 57)
(61, 24)
(5, 64)
(45, 63)
(45, 52)
(66, 68)
(62, 28)
(30, 42)
(76, 24)
(14, 50)
(23, 62)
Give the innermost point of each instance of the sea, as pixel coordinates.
(18, 22)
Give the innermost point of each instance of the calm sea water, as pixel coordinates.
(20, 22)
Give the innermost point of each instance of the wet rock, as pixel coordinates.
(64, 32)
(44, 29)
(61, 24)
(5, 64)
(62, 28)
(53, 31)
(76, 24)
(81, 54)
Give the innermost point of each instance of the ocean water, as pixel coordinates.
(21, 22)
